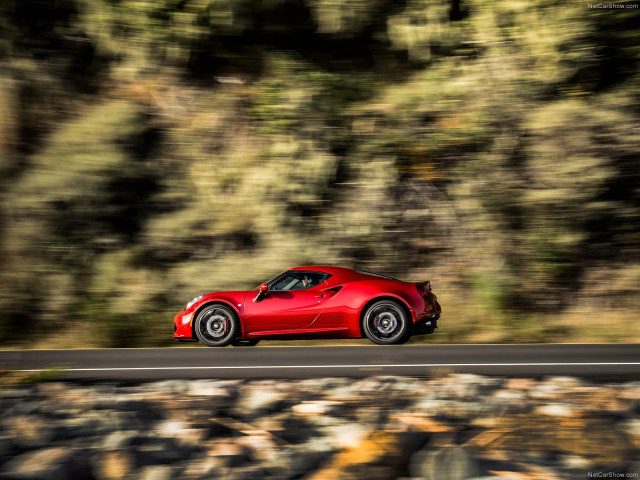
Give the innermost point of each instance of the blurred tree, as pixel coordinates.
(424, 29)
(152, 150)
(87, 192)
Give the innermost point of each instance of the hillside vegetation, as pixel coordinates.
(154, 150)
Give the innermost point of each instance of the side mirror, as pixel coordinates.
(262, 291)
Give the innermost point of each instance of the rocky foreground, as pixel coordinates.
(454, 427)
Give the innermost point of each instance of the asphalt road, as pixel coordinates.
(598, 362)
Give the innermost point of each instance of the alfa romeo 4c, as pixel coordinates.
(312, 302)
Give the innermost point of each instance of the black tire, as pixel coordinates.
(244, 343)
(386, 322)
(216, 325)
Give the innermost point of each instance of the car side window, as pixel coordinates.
(298, 281)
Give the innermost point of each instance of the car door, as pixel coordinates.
(287, 305)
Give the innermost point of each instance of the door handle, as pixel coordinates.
(320, 296)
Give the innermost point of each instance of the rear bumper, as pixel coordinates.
(426, 325)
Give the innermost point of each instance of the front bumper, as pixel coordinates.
(182, 326)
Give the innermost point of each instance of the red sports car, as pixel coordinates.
(312, 302)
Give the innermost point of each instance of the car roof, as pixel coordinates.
(326, 269)
(345, 274)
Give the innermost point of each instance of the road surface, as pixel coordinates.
(599, 362)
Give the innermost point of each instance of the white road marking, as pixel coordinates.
(373, 365)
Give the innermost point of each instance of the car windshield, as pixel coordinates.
(274, 278)
(297, 280)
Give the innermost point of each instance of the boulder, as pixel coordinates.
(58, 463)
(120, 438)
(156, 472)
(453, 462)
(229, 453)
(287, 427)
(258, 399)
(316, 407)
(299, 460)
(557, 410)
(208, 388)
(112, 465)
(30, 432)
(595, 438)
(378, 455)
(159, 451)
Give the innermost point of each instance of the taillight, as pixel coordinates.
(424, 287)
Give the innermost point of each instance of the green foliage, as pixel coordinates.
(154, 150)
(17, 377)
(424, 30)
(141, 35)
(344, 18)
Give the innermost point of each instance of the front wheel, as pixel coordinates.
(216, 326)
(386, 323)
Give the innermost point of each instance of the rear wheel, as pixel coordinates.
(216, 325)
(386, 323)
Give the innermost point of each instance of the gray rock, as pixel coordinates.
(467, 385)
(208, 388)
(121, 420)
(115, 464)
(454, 463)
(156, 472)
(368, 385)
(575, 462)
(322, 384)
(120, 438)
(258, 399)
(16, 393)
(58, 463)
(21, 408)
(286, 426)
(496, 477)
(206, 467)
(173, 387)
(229, 453)
(87, 424)
(6, 446)
(457, 408)
(296, 461)
(632, 427)
(567, 382)
(159, 451)
(557, 410)
(291, 429)
(510, 395)
(316, 407)
(144, 411)
(545, 391)
(182, 431)
(29, 432)
(342, 393)
(253, 472)
(346, 434)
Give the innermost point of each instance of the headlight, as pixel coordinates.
(193, 301)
